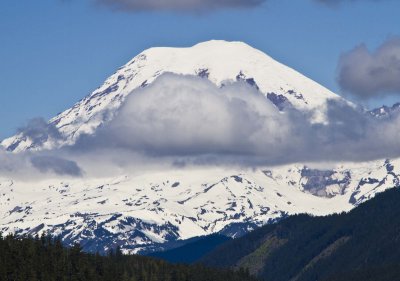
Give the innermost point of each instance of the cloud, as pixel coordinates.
(184, 121)
(10, 163)
(37, 165)
(367, 74)
(188, 120)
(181, 115)
(337, 2)
(57, 165)
(27, 164)
(39, 131)
(185, 116)
(177, 5)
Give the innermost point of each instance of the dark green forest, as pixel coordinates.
(31, 259)
(363, 244)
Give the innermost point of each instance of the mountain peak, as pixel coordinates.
(217, 60)
(216, 43)
(210, 44)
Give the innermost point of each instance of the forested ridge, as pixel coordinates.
(363, 244)
(192, 251)
(45, 259)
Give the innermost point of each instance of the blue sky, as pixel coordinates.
(55, 52)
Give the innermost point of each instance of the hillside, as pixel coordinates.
(192, 251)
(360, 245)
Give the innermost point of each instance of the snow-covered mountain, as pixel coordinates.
(219, 61)
(385, 111)
(157, 209)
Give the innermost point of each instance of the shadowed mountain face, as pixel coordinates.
(360, 245)
(194, 250)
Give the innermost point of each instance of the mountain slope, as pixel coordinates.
(337, 247)
(153, 211)
(193, 250)
(219, 61)
(156, 210)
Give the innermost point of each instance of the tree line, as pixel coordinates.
(46, 259)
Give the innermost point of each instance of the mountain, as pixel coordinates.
(385, 111)
(157, 210)
(219, 61)
(361, 245)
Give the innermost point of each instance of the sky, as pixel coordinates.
(55, 52)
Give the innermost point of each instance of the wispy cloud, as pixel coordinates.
(338, 2)
(201, 6)
(38, 165)
(39, 131)
(58, 165)
(177, 5)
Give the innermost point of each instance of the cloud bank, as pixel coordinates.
(177, 5)
(367, 74)
(182, 121)
(190, 120)
(184, 115)
(38, 165)
(196, 5)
